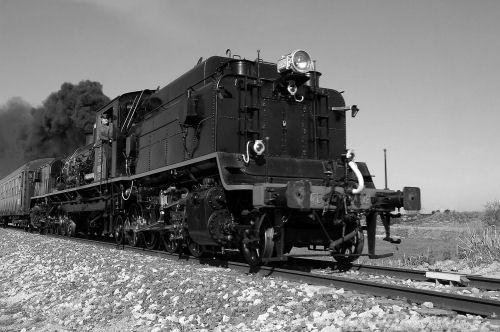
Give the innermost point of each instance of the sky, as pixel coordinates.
(425, 74)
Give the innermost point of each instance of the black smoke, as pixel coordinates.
(54, 129)
(15, 121)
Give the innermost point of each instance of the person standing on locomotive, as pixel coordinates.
(105, 136)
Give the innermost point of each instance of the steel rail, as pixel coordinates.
(460, 303)
(455, 302)
(397, 272)
(419, 275)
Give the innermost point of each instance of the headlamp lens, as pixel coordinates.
(301, 61)
(259, 147)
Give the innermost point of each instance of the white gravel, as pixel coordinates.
(49, 284)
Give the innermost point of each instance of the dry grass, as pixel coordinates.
(491, 215)
(479, 244)
(425, 258)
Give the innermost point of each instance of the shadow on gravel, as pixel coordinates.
(269, 268)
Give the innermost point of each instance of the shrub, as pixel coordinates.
(492, 213)
(479, 244)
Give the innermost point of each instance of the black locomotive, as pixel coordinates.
(233, 154)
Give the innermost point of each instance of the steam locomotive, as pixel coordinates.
(233, 154)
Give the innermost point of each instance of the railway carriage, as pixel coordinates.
(16, 190)
(234, 154)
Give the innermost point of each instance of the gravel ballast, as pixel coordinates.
(54, 284)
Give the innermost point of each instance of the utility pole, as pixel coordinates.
(385, 168)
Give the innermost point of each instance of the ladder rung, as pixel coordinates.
(251, 132)
(250, 85)
(250, 108)
(255, 84)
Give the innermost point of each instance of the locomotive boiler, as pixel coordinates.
(234, 154)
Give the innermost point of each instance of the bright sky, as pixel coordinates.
(425, 74)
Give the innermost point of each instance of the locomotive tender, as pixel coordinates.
(233, 154)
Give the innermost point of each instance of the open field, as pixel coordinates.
(434, 238)
(433, 242)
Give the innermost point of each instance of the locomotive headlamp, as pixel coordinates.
(259, 147)
(298, 61)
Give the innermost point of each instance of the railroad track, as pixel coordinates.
(401, 273)
(455, 302)
(419, 275)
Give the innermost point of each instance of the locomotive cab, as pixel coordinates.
(115, 124)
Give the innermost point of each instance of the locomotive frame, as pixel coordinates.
(234, 154)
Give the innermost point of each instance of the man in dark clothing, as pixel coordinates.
(105, 136)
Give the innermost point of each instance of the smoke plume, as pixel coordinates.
(59, 126)
(15, 119)
(55, 129)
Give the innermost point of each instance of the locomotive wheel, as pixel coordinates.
(130, 234)
(171, 246)
(133, 238)
(61, 230)
(151, 240)
(134, 212)
(353, 246)
(70, 228)
(268, 245)
(194, 248)
(254, 252)
(118, 231)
